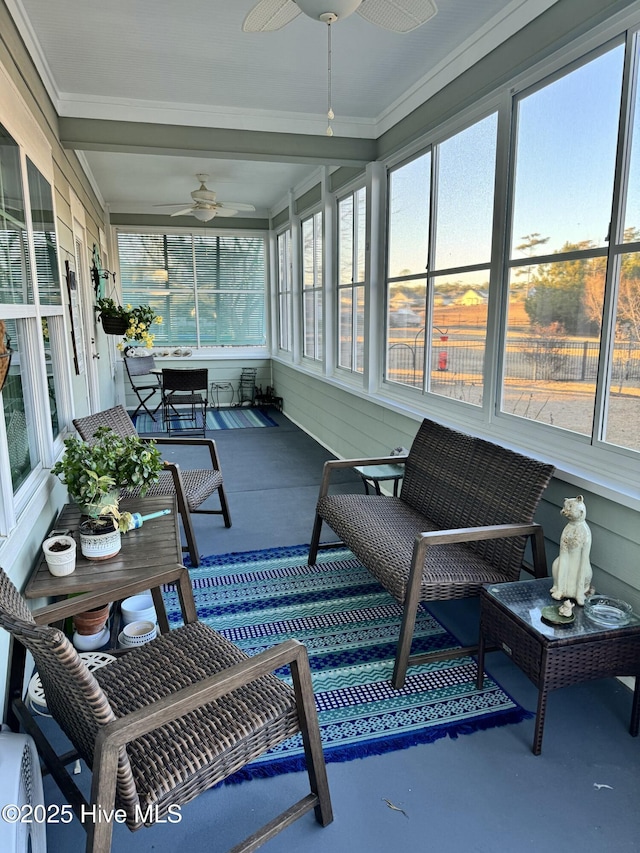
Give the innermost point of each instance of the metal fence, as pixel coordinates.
(526, 359)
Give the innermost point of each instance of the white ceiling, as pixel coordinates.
(190, 64)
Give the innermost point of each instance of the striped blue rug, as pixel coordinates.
(350, 627)
(216, 419)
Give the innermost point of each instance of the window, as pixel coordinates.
(558, 258)
(352, 216)
(312, 287)
(440, 232)
(31, 307)
(285, 290)
(209, 290)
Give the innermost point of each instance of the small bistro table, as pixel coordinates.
(150, 556)
(555, 656)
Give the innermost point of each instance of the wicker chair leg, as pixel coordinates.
(103, 794)
(225, 507)
(411, 602)
(311, 739)
(185, 514)
(315, 541)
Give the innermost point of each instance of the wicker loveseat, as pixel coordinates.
(462, 519)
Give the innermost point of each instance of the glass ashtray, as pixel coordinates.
(611, 612)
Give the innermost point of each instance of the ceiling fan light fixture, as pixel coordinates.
(204, 214)
(338, 9)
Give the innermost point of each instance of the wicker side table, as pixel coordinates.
(553, 657)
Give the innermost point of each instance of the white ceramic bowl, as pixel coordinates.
(138, 607)
(138, 633)
(91, 642)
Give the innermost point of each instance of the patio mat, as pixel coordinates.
(350, 627)
(216, 419)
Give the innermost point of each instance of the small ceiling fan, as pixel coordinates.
(204, 205)
(399, 16)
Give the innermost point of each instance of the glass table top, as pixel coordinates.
(526, 599)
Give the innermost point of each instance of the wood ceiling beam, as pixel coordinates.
(82, 134)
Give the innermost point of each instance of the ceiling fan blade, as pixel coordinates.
(270, 15)
(399, 16)
(235, 205)
(173, 204)
(182, 212)
(225, 211)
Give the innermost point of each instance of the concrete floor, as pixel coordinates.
(480, 793)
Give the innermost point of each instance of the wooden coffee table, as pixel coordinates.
(553, 657)
(150, 556)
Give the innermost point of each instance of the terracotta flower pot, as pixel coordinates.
(91, 621)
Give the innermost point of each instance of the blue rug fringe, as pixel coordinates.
(382, 746)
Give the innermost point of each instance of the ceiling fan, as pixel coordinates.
(399, 16)
(204, 205)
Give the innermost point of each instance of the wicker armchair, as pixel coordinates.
(191, 487)
(166, 721)
(463, 518)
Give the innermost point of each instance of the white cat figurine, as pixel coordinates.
(571, 569)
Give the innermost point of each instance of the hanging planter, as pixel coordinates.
(115, 325)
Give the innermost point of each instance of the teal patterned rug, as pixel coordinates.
(350, 627)
(216, 419)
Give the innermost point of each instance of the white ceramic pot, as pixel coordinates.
(100, 545)
(60, 563)
(138, 607)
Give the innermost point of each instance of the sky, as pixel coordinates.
(567, 137)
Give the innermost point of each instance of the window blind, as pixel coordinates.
(209, 290)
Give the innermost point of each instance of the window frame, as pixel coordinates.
(29, 315)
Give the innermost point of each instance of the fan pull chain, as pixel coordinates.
(330, 115)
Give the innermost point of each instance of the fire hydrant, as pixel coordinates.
(442, 355)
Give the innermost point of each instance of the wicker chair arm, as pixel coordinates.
(192, 442)
(172, 707)
(475, 534)
(333, 464)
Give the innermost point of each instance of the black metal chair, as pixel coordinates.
(139, 366)
(184, 401)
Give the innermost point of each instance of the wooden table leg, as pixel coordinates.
(185, 594)
(161, 613)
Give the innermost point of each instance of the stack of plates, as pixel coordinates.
(137, 634)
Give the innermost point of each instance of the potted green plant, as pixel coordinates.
(94, 473)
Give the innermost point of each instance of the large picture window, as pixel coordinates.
(352, 221)
(209, 290)
(562, 217)
(312, 287)
(285, 290)
(440, 233)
